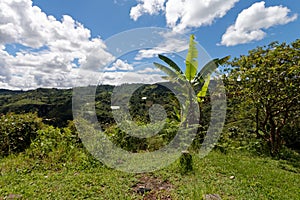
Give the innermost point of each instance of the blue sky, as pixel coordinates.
(60, 43)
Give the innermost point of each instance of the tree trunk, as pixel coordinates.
(275, 139)
(257, 123)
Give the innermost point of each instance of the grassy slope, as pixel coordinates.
(255, 178)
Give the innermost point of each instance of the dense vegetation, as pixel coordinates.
(264, 95)
(53, 105)
(257, 156)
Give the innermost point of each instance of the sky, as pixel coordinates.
(63, 43)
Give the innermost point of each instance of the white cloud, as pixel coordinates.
(171, 43)
(5, 73)
(148, 70)
(120, 65)
(130, 74)
(146, 6)
(250, 23)
(55, 53)
(194, 13)
(51, 47)
(183, 14)
(118, 78)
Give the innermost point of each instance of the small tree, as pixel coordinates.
(198, 81)
(266, 83)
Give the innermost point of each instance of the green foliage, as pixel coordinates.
(124, 140)
(196, 81)
(17, 131)
(134, 144)
(171, 63)
(201, 95)
(186, 162)
(241, 137)
(53, 105)
(57, 148)
(52, 141)
(191, 60)
(265, 87)
(172, 75)
(155, 94)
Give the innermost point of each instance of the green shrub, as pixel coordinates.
(17, 131)
(124, 140)
(52, 141)
(57, 148)
(236, 138)
(186, 162)
(135, 144)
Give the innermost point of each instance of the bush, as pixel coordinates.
(52, 141)
(60, 147)
(236, 138)
(17, 131)
(186, 162)
(124, 140)
(135, 144)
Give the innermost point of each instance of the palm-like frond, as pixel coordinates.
(207, 69)
(210, 67)
(171, 63)
(191, 61)
(204, 89)
(175, 74)
(172, 75)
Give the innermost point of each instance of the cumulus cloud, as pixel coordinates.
(118, 78)
(171, 43)
(194, 13)
(250, 23)
(146, 6)
(120, 65)
(183, 14)
(48, 47)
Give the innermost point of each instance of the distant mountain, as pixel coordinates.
(5, 91)
(55, 105)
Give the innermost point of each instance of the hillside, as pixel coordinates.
(55, 105)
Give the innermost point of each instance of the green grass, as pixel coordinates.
(255, 178)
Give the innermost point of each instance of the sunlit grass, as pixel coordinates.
(232, 176)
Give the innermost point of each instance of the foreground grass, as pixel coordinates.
(233, 176)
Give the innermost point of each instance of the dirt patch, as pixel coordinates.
(151, 188)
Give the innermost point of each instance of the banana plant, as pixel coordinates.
(194, 79)
(190, 75)
(175, 73)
